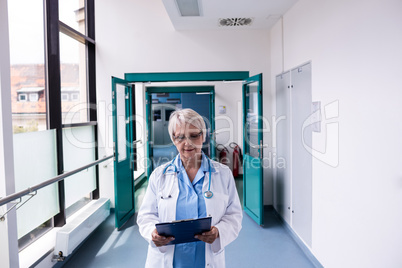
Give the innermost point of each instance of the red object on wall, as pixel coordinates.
(223, 154)
(237, 158)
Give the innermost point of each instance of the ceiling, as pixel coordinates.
(263, 13)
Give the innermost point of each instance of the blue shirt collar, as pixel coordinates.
(204, 163)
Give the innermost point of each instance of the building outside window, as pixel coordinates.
(73, 59)
(27, 65)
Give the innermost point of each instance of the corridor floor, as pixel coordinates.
(268, 246)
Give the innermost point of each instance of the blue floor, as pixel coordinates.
(268, 246)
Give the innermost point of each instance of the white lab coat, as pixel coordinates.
(224, 207)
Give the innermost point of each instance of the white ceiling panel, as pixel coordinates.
(264, 13)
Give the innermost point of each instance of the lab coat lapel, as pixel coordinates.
(209, 202)
(171, 183)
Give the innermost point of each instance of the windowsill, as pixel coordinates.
(44, 246)
(38, 249)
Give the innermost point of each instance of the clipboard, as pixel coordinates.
(184, 231)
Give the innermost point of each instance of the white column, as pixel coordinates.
(8, 228)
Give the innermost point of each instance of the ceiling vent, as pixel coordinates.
(188, 8)
(235, 22)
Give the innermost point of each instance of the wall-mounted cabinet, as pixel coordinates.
(293, 182)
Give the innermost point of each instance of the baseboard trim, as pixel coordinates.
(306, 250)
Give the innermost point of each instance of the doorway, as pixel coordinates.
(163, 101)
(141, 78)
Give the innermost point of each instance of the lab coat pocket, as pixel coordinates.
(162, 206)
(219, 252)
(218, 205)
(219, 258)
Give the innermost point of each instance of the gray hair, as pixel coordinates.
(184, 117)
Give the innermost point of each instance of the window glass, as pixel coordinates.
(22, 97)
(73, 73)
(157, 115)
(75, 97)
(140, 132)
(72, 13)
(121, 123)
(27, 65)
(79, 141)
(33, 97)
(252, 120)
(35, 162)
(168, 112)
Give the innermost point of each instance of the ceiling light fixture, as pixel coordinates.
(188, 8)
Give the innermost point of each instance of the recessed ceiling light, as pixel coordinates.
(188, 7)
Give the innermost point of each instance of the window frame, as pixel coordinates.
(53, 28)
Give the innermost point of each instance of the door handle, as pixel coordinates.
(212, 135)
(135, 142)
(262, 146)
(259, 147)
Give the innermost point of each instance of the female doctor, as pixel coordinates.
(188, 187)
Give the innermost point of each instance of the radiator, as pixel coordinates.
(75, 232)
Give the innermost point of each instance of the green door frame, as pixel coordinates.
(181, 77)
(185, 76)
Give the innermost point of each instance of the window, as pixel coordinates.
(72, 13)
(33, 97)
(157, 115)
(77, 60)
(22, 97)
(76, 65)
(168, 112)
(27, 64)
(75, 97)
(70, 74)
(64, 96)
(73, 69)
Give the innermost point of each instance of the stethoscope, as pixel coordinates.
(207, 194)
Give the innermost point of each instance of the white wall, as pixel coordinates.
(137, 36)
(355, 49)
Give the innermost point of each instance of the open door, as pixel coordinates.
(211, 127)
(122, 98)
(253, 149)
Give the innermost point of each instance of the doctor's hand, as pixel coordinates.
(160, 240)
(209, 237)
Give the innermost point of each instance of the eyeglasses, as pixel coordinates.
(192, 137)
